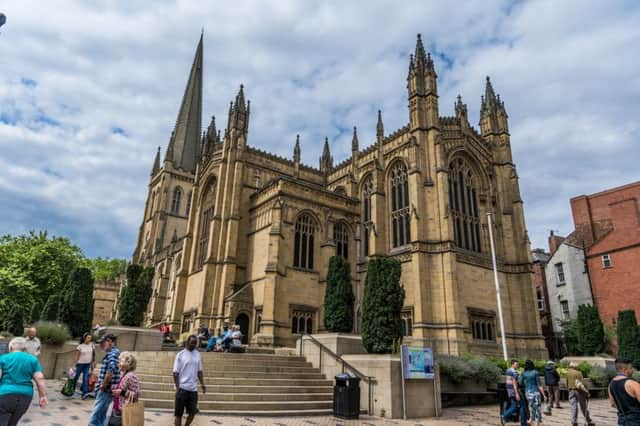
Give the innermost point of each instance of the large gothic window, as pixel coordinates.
(206, 216)
(341, 238)
(463, 202)
(303, 242)
(175, 201)
(367, 190)
(400, 219)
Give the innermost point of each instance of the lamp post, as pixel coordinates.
(497, 283)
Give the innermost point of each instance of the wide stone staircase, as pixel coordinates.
(250, 384)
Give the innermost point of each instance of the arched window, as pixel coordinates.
(186, 213)
(175, 201)
(206, 215)
(400, 219)
(304, 242)
(309, 325)
(367, 190)
(294, 324)
(341, 238)
(463, 203)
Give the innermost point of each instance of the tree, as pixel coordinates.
(51, 311)
(628, 337)
(76, 308)
(104, 269)
(382, 304)
(570, 337)
(590, 330)
(15, 300)
(339, 298)
(43, 261)
(135, 295)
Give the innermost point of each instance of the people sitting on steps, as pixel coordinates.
(203, 334)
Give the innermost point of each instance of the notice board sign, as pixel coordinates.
(417, 362)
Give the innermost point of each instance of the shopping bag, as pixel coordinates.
(72, 372)
(92, 382)
(69, 388)
(133, 414)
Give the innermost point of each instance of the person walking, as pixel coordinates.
(624, 394)
(32, 342)
(128, 390)
(186, 369)
(552, 380)
(85, 361)
(17, 370)
(513, 392)
(109, 376)
(534, 392)
(578, 394)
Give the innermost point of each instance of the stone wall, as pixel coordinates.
(105, 293)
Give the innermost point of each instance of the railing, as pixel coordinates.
(369, 380)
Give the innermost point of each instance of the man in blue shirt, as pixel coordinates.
(109, 376)
(17, 369)
(514, 395)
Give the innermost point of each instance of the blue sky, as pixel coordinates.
(88, 90)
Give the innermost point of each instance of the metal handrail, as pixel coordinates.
(370, 380)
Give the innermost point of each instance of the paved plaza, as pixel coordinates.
(71, 412)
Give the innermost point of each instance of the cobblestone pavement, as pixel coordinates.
(71, 412)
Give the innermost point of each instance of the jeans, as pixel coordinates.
(576, 399)
(99, 414)
(84, 369)
(513, 406)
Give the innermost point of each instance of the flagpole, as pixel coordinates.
(497, 283)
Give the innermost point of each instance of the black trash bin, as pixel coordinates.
(346, 397)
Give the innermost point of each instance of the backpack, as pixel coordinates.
(69, 388)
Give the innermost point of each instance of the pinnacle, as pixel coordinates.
(420, 54)
(354, 140)
(240, 103)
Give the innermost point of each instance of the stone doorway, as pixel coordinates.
(243, 321)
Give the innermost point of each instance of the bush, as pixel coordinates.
(628, 337)
(601, 376)
(51, 311)
(76, 308)
(479, 369)
(382, 304)
(455, 368)
(483, 370)
(585, 368)
(134, 297)
(338, 298)
(52, 333)
(591, 336)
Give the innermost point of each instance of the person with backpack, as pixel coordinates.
(624, 394)
(578, 394)
(85, 361)
(552, 380)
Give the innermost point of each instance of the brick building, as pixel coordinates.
(608, 224)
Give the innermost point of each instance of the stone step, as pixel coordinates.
(241, 397)
(150, 381)
(259, 387)
(224, 364)
(145, 377)
(221, 415)
(213, 369)
(237, 407)
(158, 356)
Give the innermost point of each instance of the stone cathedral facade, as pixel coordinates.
(241, 235)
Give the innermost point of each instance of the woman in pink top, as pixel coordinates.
(128, 390)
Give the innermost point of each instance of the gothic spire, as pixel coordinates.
(420, 56)
(326, 161)
(156, 163)
(211, 130)
(489, 100)
(380, 127)
(239, 110)
(184, 145)
(296, 150)
(354, 140)
(240, 104)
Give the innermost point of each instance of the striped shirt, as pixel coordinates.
(110, 365)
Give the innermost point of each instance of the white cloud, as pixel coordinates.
(76, 72)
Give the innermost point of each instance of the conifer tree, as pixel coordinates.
(51, 310)
(76, 307)
(382, 304)
(628, 337)
(135, 295)
(339, 298)
(590, 330)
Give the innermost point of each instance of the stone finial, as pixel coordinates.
(354, 140)
(296, 150)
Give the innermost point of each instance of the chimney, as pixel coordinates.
(554, 242)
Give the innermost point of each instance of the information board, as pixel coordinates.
(417, 362)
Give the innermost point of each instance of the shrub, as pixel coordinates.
(483, 370)
(52, 333)
(479, 369)
(134, 297)
(76, 308)
(601, 376)
(570, 337)
(628, 337)
(456, 369)
(382, 304)
(591, 335)
(585, 368)
(51, 311)
(338, 298)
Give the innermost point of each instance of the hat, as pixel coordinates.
(109, 336)
(573, 364)
(550, 363)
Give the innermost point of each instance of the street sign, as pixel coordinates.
(417, 363)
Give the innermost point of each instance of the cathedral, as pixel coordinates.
(239, 235)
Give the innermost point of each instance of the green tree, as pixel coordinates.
(338, 298)
(591, 335)
(104, 269)
(382, 304)
(135, 295)
(15, 300)
(76, 308)
(628, 337)
(570, 337)
(44, 261)
(51, 310)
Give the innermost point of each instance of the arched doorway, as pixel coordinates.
(243, 321)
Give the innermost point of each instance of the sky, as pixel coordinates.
(89, 90)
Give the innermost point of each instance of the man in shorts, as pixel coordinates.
(186, 369)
